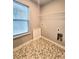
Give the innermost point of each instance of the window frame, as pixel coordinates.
(25, 33)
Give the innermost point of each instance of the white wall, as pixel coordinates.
(52, 19)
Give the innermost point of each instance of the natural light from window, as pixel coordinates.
(20, 18)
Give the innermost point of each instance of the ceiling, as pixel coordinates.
(41, 2)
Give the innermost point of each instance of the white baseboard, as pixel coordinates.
(53, 42)
(37, 39)
(14, 49)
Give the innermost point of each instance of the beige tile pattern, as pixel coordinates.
(39, 49)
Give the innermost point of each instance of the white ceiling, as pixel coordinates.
(41, 2)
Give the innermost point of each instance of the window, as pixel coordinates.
(20, 18)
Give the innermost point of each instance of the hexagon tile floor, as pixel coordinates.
(39, 49)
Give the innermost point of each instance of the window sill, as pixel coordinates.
(20, 35)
